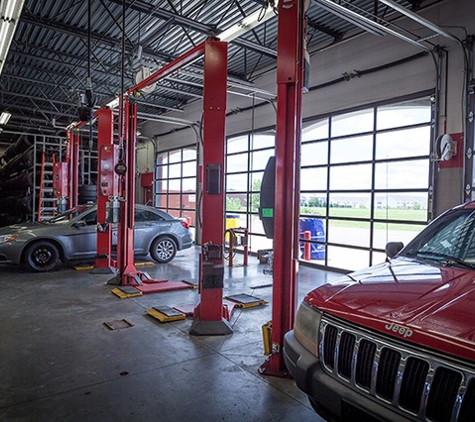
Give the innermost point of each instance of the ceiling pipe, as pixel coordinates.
(350, 16)
(419, 19)
(365, 23)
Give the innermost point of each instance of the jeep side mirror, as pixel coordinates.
(392, 248)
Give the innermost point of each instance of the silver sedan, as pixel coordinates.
(72, 237)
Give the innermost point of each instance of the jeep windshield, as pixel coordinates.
(449, 240)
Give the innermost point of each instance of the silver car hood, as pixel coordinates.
(24, 227)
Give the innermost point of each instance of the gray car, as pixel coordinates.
(72, 237)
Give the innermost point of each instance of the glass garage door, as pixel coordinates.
(365, 178)
(175, 183)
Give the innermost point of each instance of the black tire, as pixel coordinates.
(163, 249)
(42, 256)
(87, 194)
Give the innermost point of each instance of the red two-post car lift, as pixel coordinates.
(210, 316)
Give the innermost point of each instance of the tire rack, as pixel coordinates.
(20, 168)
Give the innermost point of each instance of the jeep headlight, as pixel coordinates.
(307, 326)
(5, 238)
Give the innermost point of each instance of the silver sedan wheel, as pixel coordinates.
(163, 249)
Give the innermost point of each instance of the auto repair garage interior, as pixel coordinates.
(295, 139)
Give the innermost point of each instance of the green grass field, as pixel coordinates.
(380, 214)
(408, 215)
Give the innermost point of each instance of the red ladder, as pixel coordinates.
(47, 201)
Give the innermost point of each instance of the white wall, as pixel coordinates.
(361, 53)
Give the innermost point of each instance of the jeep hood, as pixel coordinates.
(434, 306)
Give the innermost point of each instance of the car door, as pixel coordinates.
(82, 236)
(144, 231)
(147, 226)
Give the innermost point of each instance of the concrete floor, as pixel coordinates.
(59, 361)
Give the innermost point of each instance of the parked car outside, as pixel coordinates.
(71, 236)
(396, 341)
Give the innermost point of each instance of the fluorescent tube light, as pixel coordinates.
(248, 23)
(5, 117)
(114, 103)
(10, 11)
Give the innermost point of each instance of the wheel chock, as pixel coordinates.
(244, 300)
(144, 263)
(166, 314)
(83, 267)
(126, 291)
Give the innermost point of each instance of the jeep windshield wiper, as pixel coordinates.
(448, 259)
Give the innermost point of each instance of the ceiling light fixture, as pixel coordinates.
(5, 117)
(10, 11)
(249, 22)
(113, 104)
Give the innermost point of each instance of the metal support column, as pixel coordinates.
(107, 190)
(73, 163)
(210, 315)
(125, 168)
(290, 72)
(469, 129)
(125, 247)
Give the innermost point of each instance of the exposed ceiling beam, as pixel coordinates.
(208, 30)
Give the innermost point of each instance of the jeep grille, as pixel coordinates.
(422, 385)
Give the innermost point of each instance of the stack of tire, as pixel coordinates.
(87, 194)
(16, 182)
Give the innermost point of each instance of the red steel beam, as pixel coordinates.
(290, 66)
(171, 67)
(168, 69)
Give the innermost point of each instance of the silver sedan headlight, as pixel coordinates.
(5, 238)
(307, 326)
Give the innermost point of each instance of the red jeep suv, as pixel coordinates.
(396, 341)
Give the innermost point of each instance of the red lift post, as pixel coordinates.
(209, 313)
(106, 182)
(290, 73)
(210, 316)
(128, 275)
(107, 190)
(72, 158)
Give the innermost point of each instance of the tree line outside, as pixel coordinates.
(317, 207)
